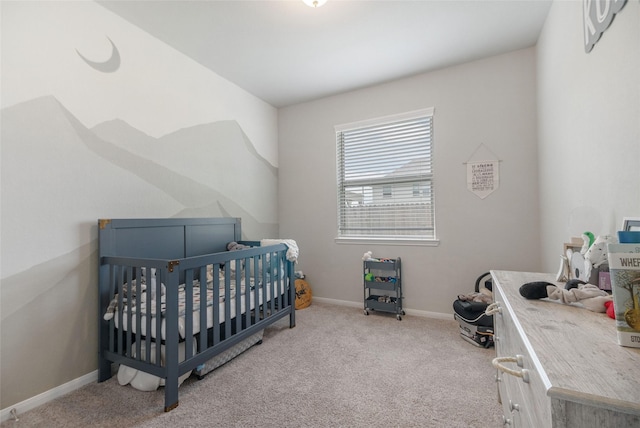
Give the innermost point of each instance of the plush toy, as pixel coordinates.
(234, 246)
(367, 256)
(587, 241)
(596, 255)
(483, 296)
(575, 291)
(144, 381)
(592, 254)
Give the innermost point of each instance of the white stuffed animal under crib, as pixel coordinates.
(144, 381)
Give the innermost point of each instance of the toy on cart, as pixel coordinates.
(382, 285)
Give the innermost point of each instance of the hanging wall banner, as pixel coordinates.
(483, 177)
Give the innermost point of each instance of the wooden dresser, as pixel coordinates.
(560, 365)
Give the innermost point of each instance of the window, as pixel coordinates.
(385, 178)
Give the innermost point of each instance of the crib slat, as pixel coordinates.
(148, 312)
(247, 295)
(216, 303)
(120, 340)
(202, 313)
(215, 272)
(171, 339)
(135, 295)
(227, 303)
(243, 275)
(113, 290)
(275, 277)
(265, 287)
(272, 294)
(162, 279)
(188, 294)
(282, 291)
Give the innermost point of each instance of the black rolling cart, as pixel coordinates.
(383, 286)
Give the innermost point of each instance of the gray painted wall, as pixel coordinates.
(565, 125)
(490, 102)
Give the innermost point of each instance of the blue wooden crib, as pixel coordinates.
(171, 283)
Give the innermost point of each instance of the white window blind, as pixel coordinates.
(385, 177)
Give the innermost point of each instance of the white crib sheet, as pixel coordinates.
(196, 309)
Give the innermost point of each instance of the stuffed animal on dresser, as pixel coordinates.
(575, 291)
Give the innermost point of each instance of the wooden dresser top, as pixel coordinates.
(576, 348)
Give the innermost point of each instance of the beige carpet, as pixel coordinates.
(336, 368)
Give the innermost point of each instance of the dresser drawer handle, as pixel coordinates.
(493, 308)
(523, 373)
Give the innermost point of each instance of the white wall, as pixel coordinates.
(490, 102)
(589, 126)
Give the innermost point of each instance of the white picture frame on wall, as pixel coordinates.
(631, 224)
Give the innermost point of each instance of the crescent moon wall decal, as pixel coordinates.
(108, 66)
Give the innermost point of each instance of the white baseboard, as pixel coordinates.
(425, 314)
(45, 397)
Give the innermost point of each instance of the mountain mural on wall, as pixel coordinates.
(210, 170)
(216, 155)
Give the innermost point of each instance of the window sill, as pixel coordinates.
(388, 241)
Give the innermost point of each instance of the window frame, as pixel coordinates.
(396, 239)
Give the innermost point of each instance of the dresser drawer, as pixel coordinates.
(522, 390)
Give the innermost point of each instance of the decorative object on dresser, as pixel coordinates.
(558, 365)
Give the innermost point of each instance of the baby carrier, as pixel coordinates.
(469, 310)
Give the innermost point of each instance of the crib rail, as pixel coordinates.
(170, 316)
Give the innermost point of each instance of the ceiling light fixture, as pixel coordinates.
(314, 3)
